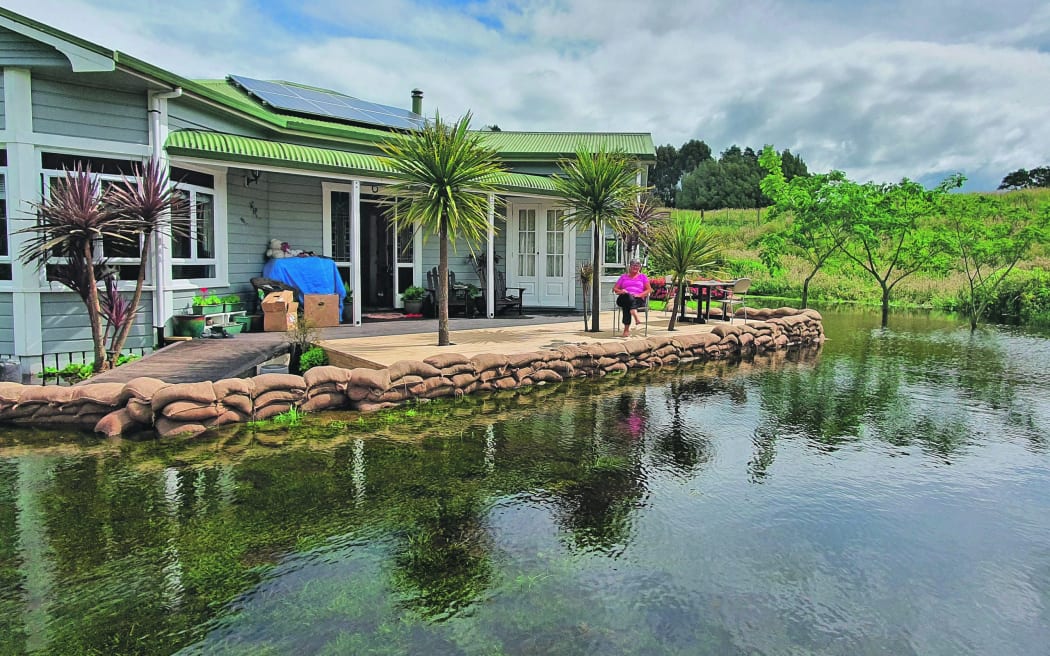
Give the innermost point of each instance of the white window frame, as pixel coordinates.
(49, 175)
(220, 262)
(608, 234)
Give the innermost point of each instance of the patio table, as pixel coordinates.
(703, 302)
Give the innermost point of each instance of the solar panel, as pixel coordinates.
(327, 104)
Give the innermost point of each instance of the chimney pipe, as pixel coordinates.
(417, 101)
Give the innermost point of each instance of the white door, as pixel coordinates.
(540, 252)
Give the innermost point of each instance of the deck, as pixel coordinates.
(378, 352)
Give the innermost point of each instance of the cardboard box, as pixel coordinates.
(279, 311)
(321, 310)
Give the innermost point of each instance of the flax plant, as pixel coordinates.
(447, 174)
(681, 247)
(598, 189)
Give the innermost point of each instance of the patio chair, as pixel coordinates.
(503, 298)
(617, 315)
(457, 295)
(735, 297)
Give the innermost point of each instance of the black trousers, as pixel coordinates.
(626, 302)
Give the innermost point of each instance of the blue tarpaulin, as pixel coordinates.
(310, 275)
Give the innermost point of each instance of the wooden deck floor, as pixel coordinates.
(382, 351)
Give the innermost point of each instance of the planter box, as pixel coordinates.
(234, 307)
(207, 309)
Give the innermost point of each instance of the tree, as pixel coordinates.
(145, 202)
(1024, 179)
(821, 208)
(598, 190)
(447, 174)
(691, 155)
(680, 247)
(889, 239)
(665, 174)
(988, 236)
(73, 220)
(646, 216)
(703, 188)
(793, 165)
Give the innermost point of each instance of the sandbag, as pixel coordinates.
(444, 360)
(189, 411)
(487, 361)
(108, 394)
(142, 387)
(116, 423)
(277, 396)
(271, 410)
(327, 375)
(373, 379)
(40, 395)
(228, 386)
(9, 393)
(199, 392)
(168, 428)
(403, 368)
(237, 402)
(267, 382)
(548, 376)
(327, 401)
(141, 411)
(231, 417)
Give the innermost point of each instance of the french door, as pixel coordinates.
(540, 255)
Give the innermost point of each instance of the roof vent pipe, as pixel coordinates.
(417, 101)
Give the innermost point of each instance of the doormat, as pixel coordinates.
(390, 316)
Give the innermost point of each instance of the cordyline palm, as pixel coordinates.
(647, 216)
(446, 176)
(145, 204)
(598, 189)
(680, 247)
(71, 221)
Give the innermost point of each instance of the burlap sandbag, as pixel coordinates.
(409, 380)
(370, 406)
(267, 382)
(326, 388)
(109, 394)
(329, 401)
(237, 402)
(271, 410)
(560, 366)
(356, 393)
(327, 375)
(462, 380)
(403, 368)
(185, 411)
(40, 395)
(507, 382)
(487, 361)
(117, 423)
(393, 395)
(141, 411)
(444, 360)
(142, 387)
(228, 386)
(547, 376)
(516, 360)
(371, 379)
(456, 369)
(230, 416)
(201, 392)
(9, 393)
(277, 396)
(168, 428)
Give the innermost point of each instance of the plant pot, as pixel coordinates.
(414, 307)
(348, 311)
(233, 307)
(188, 325)
(244, 322)
(208, 309)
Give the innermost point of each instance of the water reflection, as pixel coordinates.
(611, 517)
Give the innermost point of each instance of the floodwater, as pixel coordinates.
(886, 494)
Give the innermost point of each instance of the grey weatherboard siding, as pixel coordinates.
(94, 112)
(64, 323)
(17, 50)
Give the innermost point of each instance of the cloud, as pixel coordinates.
(881, 90)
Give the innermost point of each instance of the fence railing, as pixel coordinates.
(34, 366)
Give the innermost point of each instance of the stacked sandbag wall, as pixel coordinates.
(191, 408)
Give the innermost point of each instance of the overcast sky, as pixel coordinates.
(881, 90)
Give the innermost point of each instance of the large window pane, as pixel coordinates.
(181, 246)
(341, 226)
(205, 212)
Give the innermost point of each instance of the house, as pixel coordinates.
(256, 160)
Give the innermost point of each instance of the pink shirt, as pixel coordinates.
(635, 285)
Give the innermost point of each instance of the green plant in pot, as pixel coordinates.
(232, 303)
(207, 303)
(413, 299)
(348, 304)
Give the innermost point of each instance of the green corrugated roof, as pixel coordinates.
(250, 151)
(510, 145)
(530, 145)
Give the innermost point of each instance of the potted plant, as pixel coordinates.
(232, 303)
(205, 303)
(348, 304)
(413, 298)
(188, 325)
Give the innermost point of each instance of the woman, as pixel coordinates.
(632, 291)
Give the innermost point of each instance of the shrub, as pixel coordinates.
(1023, 297)
(312, 357)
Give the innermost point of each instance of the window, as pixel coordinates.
(120, 254)
(194, 240)
(5, 252)
(613, 249)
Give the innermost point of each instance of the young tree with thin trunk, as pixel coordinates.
(892, 238)
(988, 236)
(822, 209)
(598, 189)
(447, 174)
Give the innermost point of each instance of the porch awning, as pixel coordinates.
(249, 151)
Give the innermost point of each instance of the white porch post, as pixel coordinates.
(23, 188)
(163, 298)
(355, 248)
(490, 275)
